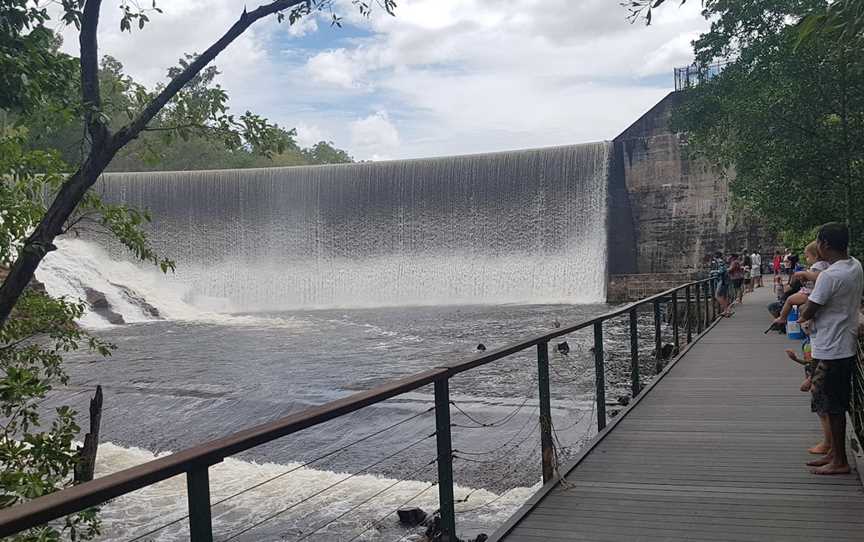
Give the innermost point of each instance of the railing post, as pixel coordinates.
(707, 292)
(699, 326)
(688, 325)
(599, 376)
(675, 320)
(198, 494)
(548, 451)
(636, 387)
(445, 460)
(658, 340)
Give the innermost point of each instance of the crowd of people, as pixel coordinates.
(822, 306)
(735, 276)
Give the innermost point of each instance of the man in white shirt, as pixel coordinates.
(832, 315)
(756, 270)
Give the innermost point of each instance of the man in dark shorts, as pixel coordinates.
(832, 316)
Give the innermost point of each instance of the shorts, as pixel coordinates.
(832, 386)
(736, 283)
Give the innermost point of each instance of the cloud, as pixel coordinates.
(374, 137)
(309, 134)
(334, 67)
(455, 76)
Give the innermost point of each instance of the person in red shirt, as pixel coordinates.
(778, 259)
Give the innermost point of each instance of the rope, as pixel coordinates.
(503, 421)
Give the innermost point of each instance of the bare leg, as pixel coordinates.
(839, 463)
(823, 447)
(796, 299)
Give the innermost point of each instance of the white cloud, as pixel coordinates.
(309, 134)
(334, 67)
(374, 137)
(459, 75)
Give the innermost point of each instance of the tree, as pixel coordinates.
(40, 200)
(104, 142)
(786, 114)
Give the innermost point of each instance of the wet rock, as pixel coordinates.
(563, 348)
(481, 347)
(411, 517)
(667, 351)
(624, 400)
(100, 305)
(138, 301)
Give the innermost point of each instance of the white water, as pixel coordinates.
(512, 227)
(77, 264)
(139, 512)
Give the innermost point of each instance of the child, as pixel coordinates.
(748, 274)
(807, 280)
(823, 447)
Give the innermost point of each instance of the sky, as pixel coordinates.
(442, 77)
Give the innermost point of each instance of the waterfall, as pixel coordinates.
(522, 226)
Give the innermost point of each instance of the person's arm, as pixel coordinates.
(821, 294)
(810, 310)
(806, 275)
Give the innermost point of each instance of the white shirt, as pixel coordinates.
(756, 260)
(834, 330)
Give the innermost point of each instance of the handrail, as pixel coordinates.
(197, 459)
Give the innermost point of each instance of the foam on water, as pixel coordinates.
(79, 264)
(145, 509)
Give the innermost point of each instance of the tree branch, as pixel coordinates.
(105, 146)
(90, 94)
(131, 130)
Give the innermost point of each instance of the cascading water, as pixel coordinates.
(522, 226)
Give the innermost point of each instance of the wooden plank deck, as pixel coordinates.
(714, 451)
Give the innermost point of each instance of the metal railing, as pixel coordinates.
(690, 76)
(699, 311)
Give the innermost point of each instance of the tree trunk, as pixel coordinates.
(86, 467)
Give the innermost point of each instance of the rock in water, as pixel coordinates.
(100, 305)
(138, 301)
(564, 348)
(481, 347)
(411, 516)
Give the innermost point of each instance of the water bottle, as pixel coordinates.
(793, 328)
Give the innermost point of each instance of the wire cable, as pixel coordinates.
(289, 471)
(367, 500)
(382, 518)
(331, 486)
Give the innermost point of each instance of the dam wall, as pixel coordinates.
(667, 209)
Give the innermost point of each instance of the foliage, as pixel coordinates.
(841, 21)
(36, 460)
(195, 131)
(785, 116)
(62, 121)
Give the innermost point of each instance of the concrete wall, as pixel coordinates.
(676, 209)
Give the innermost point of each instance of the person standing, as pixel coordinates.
(831, 313)
(736, 276)
(719, 275)
(778, 260)
(756, 268)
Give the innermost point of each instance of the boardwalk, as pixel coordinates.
(715, 451)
